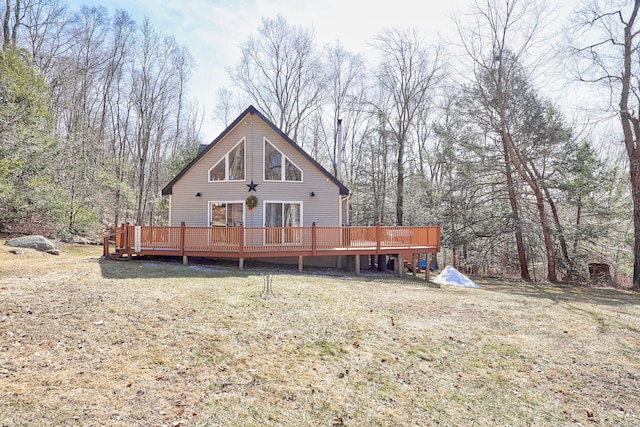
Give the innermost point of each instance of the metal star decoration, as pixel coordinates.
(252, 187)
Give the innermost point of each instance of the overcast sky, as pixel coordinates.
(212, 30)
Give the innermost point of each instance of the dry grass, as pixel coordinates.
(93, 343)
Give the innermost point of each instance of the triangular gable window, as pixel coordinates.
(277, 166)
(231, 166)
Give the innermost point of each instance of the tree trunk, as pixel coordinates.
(526, 173)
(556, 220)
(578, 222)
(6, 33)
(635, 190)
(400, 182)
(517, 224)
(631, 130)
(548, 245)
(560, 229)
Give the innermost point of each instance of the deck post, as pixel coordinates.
(182, 233)
(378, 238)
(126, 241)
(314, 238)
(241, 246)
(400, 264)
(427, 268)
(105, 247)
(357, 264)
(414, 269)
(300, 263)
(185, 259)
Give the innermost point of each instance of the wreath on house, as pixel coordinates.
(252, 202)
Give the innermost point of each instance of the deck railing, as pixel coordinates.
(254, 241)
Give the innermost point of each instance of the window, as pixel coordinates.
(278, 167)
(292, 173)
(283, 214)
(231, 166)
(226, 214)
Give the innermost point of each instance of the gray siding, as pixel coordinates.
(323, 209)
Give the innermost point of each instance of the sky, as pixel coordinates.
(213, 30)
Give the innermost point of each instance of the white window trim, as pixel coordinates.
(211, 202)
(283, 171)
(225, 159)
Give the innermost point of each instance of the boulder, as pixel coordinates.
(38, 243)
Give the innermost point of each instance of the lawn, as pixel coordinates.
(136, 343)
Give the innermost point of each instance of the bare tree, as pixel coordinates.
(158, 68)
(407, 75)
(281, 71)
(45, 24)
(497, 43)
(607, 44)
(346, 77)
(228, 106)
(11, 19)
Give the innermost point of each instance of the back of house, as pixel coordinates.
(253, 174)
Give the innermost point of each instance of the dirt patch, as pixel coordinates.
(91, 342)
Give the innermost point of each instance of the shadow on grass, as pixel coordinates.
(165, 266)
(171, 267)
(563, 293)
(393, 279)
(146, 267)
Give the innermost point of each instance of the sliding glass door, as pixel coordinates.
(287, 215)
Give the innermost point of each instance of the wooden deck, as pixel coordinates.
(263, 242)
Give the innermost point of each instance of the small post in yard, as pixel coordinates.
(267, 290)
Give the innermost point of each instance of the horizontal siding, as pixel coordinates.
(323, 209)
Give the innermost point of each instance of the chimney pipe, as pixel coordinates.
(339, 159)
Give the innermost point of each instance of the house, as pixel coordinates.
(254, 193)
(252, 157)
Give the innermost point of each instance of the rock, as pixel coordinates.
(38, 243)
(53, 252)
(77, 240)
(17, 251)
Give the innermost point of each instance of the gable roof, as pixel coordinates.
(202, 151)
